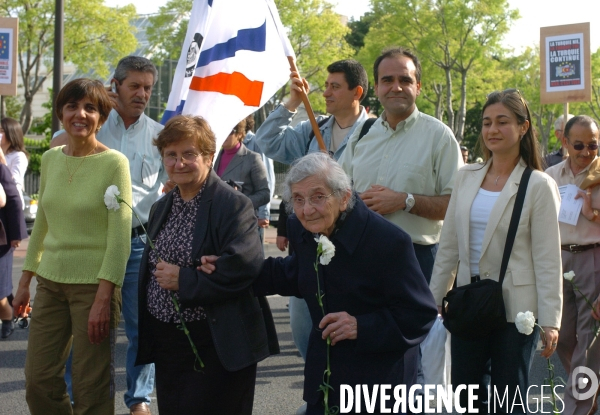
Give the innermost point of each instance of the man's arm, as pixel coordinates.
(384, 201)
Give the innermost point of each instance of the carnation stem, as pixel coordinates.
(550, 376)
(326, 386)
(182, 326)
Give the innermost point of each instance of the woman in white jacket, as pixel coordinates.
(472, 244)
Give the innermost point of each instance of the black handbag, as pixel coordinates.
(474, 310)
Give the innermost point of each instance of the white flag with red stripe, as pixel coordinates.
(234, 59)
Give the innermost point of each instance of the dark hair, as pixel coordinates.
(354, 73)
(134, 64)
(392, 53)
(584, 120)
(187, 127)
(249, 123)
(81, 88)
(463, 148)
(240, 130)
(13, 134)
(515, 103)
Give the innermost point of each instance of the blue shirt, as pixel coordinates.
(283, 143)
(147, 172)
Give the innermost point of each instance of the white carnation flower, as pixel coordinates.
(111, 198)
(569, 275)
(327, 249)
(525, 322)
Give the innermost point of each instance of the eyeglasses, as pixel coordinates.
(581, 146)
(187, 157)
(315, 200)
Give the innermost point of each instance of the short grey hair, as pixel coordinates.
(559, 124)
(321, 165)
(134, 64)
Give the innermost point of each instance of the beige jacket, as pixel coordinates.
(533, 280)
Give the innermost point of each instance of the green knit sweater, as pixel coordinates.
(76, 239)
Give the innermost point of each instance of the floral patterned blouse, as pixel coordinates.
(174, 245)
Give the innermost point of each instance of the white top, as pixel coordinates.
(480, 215)
(17, 164)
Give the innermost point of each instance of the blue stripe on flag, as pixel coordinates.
(247, 39)
(168, 114)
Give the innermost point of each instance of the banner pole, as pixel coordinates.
(309, 110)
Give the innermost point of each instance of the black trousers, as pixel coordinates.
(182, 390)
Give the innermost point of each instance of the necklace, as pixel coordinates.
(345, 128)
(496, 183)
(75, 171)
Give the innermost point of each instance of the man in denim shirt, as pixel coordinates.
(131, 132)
(345, 88)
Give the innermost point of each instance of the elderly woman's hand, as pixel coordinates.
(339, 326)
(208, 264)
(167, 276)
(550, 340)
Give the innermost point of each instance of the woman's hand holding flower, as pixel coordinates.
(550, 340)
(339, 326)
(167, 276)
(525, 323)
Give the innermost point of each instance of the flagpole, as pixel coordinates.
(309, 110)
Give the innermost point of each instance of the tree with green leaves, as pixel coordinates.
(455, 36)
(95, 37)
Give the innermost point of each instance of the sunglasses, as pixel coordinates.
(581, 146)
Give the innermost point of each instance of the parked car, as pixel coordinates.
(30, 211)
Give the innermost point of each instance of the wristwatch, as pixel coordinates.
(410, 202)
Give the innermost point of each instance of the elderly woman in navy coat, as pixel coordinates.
(376, 300)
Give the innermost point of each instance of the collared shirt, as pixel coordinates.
(585, 232)
(147, 172)
(421, 156)
(284, 143)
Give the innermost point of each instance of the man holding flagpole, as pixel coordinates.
(346, 86)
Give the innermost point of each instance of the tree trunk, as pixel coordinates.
(26, 118)
(459, 131)
(449, 109)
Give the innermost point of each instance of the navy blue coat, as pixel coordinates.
(11, 214)
(375, 277)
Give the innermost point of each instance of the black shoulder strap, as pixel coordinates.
(311, 135)
(514, 222)
(366, 127)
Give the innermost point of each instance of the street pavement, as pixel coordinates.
(279, 380)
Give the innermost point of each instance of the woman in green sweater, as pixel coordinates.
(78, 251)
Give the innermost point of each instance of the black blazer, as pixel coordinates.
(247, 167)
(373, 276)
(11, 214)
(225, 226)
